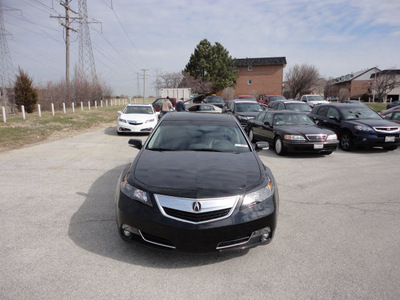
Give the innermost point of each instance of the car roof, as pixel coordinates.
(139, 104)
(188, 116)
(289, 101)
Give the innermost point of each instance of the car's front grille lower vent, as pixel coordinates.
(197, 217)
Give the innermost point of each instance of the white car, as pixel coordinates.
(137, 118)
(313, 100)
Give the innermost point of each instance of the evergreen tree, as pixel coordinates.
(24, 92)
(212, 64)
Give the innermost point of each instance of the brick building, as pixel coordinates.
(260, 76)
(357, 84)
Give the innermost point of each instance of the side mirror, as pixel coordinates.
(266, 123)
(334, 118)
(135, 143)
(262, 146)
(120, 112)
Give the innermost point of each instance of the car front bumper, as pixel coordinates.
(376, 140)
(244, 228)
(139, 127)
(316, 147)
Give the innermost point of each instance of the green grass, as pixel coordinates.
(17, 132)
(377, 106)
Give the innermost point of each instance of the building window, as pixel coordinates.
(250, 68)
(249, 82)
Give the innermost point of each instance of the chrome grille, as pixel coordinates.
(387, 129)
(196, 211)
(316, 137)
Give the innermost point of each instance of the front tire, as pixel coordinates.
(279, 146)
(346, 141)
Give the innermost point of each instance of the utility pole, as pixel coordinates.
(68, 20)
(144, 84)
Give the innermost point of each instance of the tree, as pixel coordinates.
(212, 64)
(301, 79)
(24, 92)
(384, 82)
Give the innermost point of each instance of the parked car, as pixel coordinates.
(267, 99)
(246, 97)
(214, 100)
(392, 115)
(243, 110)
(313, 100)
(159, 101)
(357, 125)
(291, 131)
(197, 185)
(290, 105)
(204, 108)
(137, 118)
(393, 104)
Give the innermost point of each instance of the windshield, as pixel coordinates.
(298, 107)
(274, 98)
(138, 110)
(248, 107)
(315, 98)
(359, 112)
(198, 137)
(214, 99)
(295, 119)
(247, 98)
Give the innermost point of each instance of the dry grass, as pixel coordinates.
(17, 133)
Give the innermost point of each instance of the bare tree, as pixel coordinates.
(197, 85)
(300, 79)
(343, 94)
(384, 82)
(168, 80)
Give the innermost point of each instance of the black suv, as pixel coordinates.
(357, 125)
(243, 110)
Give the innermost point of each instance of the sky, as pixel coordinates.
(338, 37)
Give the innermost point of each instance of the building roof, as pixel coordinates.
(261, 61)
(390, 71)
(352, 76)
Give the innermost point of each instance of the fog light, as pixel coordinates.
(265, 234)
(129, 230)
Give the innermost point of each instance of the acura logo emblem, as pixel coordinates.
(196, 206)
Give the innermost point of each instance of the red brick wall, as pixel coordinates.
(266, 80)
(359, 88)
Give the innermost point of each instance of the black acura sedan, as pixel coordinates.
(197, 185)
(291, 131)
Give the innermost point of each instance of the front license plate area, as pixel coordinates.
(318, 146)
(389, 139)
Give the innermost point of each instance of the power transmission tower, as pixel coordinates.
(6, 67)
(87, 69)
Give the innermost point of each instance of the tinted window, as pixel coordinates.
(196, 136)
(332, 112)
(260, 116)
(268, 118)
(322, 111)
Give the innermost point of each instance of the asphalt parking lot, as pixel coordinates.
(337, 237)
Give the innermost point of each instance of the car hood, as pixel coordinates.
(136, 117)
(304, 129)
(195, 174)
(373, 123)
(248, 113)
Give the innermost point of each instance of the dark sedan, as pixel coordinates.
(291, 131)
(214, 100)
(393, 104)
(197, 185)
(357, 125)
(243, 110)
(290, 105)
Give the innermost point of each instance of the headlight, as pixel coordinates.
(363, 128)
(121, 120)
(134, 193)
(294, 137)
(150, 120)
(331, 137)
(259, 195)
